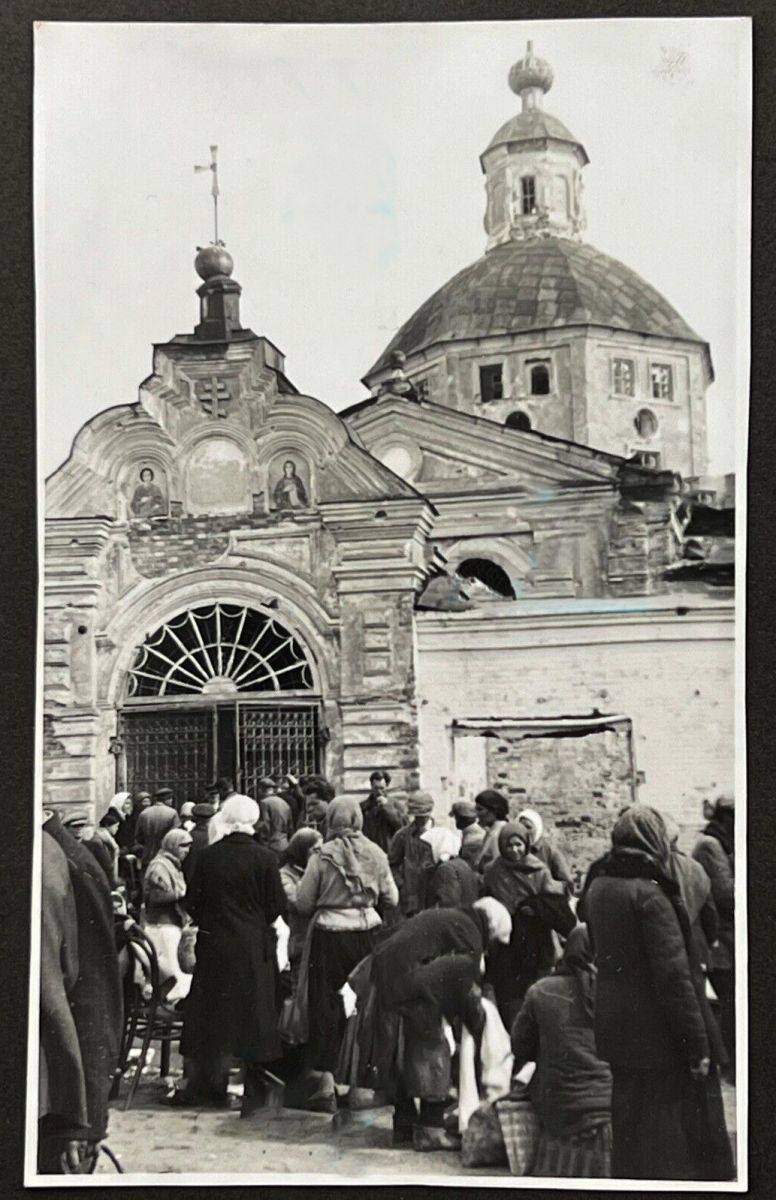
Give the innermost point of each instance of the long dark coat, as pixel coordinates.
(62, 1090)
(96, 1000)
(232, 1008)
(648, 1015)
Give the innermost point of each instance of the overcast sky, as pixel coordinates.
(351, 187)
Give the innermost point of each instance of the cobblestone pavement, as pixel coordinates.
(153, 1139)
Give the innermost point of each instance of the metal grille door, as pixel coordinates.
(169, 749)
(275, 741)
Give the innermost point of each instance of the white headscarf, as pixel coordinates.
(499, 920)
(445, 843)
(118, 802)
(238, 814)
(534, 820)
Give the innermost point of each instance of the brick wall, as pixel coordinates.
(580, 783)
(178, 543)
(671, 675)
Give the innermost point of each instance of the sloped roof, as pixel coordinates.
(541, 283)
(532, 125)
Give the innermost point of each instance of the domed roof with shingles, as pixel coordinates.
(534, 125)
(541, 283)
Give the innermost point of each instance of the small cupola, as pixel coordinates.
(533, 166)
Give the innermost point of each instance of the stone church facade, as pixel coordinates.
(476, 575)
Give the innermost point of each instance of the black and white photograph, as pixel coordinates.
(392, 400)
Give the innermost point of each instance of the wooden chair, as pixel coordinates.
(145, 1019)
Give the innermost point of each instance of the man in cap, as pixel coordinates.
(154, 822)
(410, 857)
(492, 811)
(382, 816)
(80, 826)
(200, 836)
(464, 814)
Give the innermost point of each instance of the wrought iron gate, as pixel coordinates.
(275, 740)
(169, 749)
(179, 748)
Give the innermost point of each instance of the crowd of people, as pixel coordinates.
(347, 950)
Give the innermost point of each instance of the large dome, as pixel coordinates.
(541, 283)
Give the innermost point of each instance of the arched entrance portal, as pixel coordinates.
(221, 689)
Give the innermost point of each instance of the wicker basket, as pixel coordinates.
(520, 1130)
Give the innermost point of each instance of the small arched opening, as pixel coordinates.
(518, 420)
(489, 573)
(540, 379)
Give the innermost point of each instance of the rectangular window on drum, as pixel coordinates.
(623, 377)
(528, 195)
(492, 382)
(662, 382)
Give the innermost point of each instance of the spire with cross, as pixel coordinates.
(212, 166)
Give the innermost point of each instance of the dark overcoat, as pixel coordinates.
(62, 1090)
(571, 1088)
(234, 896)
(96, 999)
(648, 1016)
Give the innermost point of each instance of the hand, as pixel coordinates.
(71, 1157)
(700, 1069)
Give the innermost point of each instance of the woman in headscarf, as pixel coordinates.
(652, 1021)
(106, 833)
(695, 891)
(187, 815)
(163, 916)
(164, 885)
(424, 972)
(714, 850)
(571, 1088)
(343, 883)
(544, 850)
(234, 897)
(537, 904)
(291, 873)
(492, 811)
(451, 882)
(122, 805)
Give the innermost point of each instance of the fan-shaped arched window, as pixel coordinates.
(489, 573)
(518, 420)
(219, 649)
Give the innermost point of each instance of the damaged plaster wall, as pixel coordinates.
(667, 666)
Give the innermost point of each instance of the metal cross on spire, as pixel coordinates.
(212, 166)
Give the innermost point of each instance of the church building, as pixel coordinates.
(502, 568)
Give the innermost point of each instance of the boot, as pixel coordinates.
(431, 1137)
(405, 1114)
(430, 1132)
